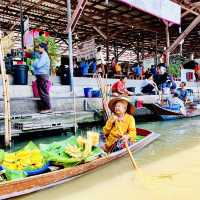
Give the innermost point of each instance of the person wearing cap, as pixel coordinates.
(119, 88)
(121, 125)
(41, 70)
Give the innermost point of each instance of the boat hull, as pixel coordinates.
(166, 114)
(34, 183)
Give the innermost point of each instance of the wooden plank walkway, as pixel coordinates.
(50, 121)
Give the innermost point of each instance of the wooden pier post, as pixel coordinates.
(6, 97)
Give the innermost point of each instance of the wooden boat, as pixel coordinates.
(159, 110)
(192, 110)
(30, 184)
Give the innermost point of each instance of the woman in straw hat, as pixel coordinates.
(121, 125)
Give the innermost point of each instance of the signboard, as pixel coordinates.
(86, 50)
(28, 40)
(164, 9)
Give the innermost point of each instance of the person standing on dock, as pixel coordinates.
(121, 125)
(42, 69)
(100, 62)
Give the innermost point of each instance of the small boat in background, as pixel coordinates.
(30, 184)
(165, 113)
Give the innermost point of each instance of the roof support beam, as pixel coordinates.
(122, 52)
(186, 8)
(100, 32)
(76, 15)
(187, 12)
(183, 35)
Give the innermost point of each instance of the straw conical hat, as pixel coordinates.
(130, 107)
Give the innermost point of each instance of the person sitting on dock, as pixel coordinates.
(121, 125)
(176, 103)
(149, 86)
(119, 88)
(183, 93)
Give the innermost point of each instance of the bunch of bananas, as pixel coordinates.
(81, 141)
(73, 151)
(83, 149)
(88, 148)
(93, 137)
(23, 159)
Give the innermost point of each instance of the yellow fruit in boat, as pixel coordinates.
(88, 148)
(22, 159)
(94, 137)
(22, 154)
(81, 141)
(73, 151)
(10, 157)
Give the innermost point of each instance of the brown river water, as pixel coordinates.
(169, 170)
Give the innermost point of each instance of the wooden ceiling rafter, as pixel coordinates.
(122, 21)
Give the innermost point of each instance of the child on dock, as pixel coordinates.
(121, 125)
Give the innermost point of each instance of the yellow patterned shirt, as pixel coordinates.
(113, 131)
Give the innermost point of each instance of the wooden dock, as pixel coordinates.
(51, 121)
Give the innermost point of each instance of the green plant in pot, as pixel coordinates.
(176, 61)
(174, 70)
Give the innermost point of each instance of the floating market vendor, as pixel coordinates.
(120, 126)
(176, 103)
(119, 88)
(183, 93)
(41, 69)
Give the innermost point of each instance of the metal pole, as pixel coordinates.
(21, 25)
(168, 43)
(70, 49)
(156, 50)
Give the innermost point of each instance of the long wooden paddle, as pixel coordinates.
(129, 152)
(131, 156)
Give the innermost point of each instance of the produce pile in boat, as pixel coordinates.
(18, 164)
(73, 151)
(32, 160)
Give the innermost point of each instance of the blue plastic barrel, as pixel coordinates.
(87, 92)
(95, 93)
